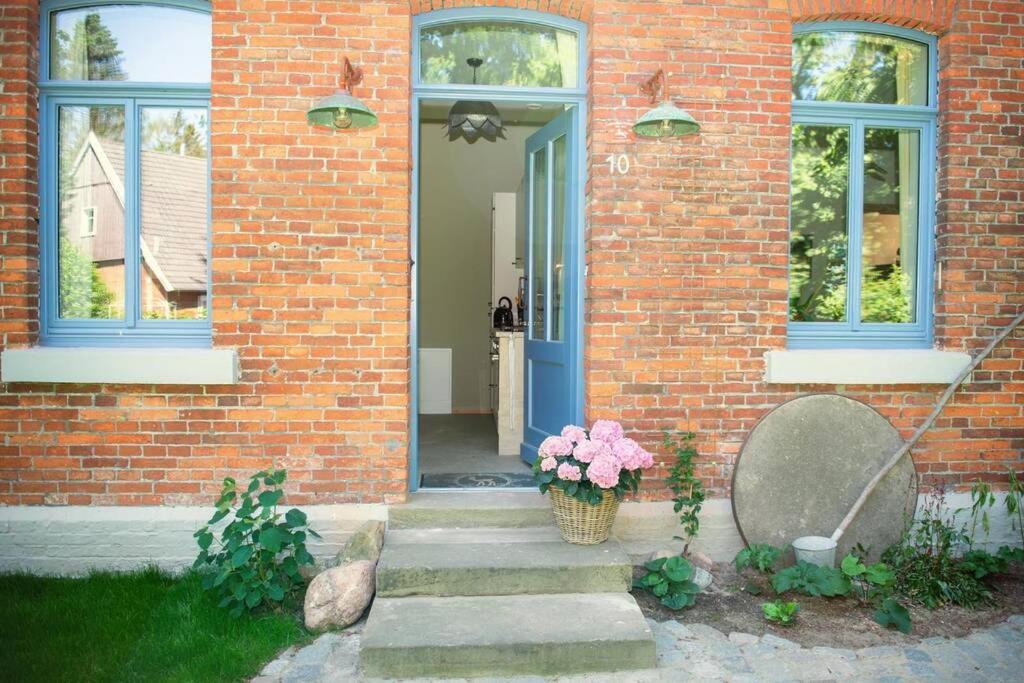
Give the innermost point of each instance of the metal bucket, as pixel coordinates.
(819, 550)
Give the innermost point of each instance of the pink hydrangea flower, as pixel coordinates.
(587, 450)
(574, 433)
(604, 471)
(555, 445)
(629, 454)
(646, 459)
(607, 431)
(569, 472)
(548, 464)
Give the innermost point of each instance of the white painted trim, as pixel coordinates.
(864, 366)
(119, 365)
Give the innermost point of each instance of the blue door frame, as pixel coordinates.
(575, 98)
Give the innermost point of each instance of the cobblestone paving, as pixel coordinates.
(699, 652)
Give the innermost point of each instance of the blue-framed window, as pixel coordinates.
(862, 186)
(125, 172)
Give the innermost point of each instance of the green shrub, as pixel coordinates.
(687, 490)
(783, 613)
(257, 558)
(670, 580)
(760, 556)
(811, 579)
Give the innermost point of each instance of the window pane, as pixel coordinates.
(539, 228)
(558, 229)
(174, 223)
(859, 67)
(819, 223)
(90, 221)
(130, 43)
(513, 54)
(891, 196)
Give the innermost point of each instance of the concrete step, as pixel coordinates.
(541, 635)
(497, 562)
(472, 509)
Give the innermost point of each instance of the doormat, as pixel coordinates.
(503, 480)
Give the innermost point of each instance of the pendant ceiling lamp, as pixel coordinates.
(666, 119)
(341, 110)
(474, 119)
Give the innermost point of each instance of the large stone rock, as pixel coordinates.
(364, 544)
(338, 596)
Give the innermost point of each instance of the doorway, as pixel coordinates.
(496, 245)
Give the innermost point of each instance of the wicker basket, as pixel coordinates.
(583, 523)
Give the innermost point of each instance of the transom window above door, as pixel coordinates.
(861, 187)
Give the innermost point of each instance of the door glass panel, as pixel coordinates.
(130, 43)
(512, 54)
(558, 240)
(819, 223)
(889, 253)
(173, 213)
(90, 216)
(539, 235)
(842, 66)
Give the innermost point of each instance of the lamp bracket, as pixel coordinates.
(654, 85)
(351, 75)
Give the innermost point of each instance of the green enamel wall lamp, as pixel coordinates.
(666, 119)
(341, 110)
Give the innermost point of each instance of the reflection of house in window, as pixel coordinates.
(173, 197)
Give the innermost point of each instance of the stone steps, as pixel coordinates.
(506, 635)
(444, 562)
(472, 509)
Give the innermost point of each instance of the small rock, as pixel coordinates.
(663, 553)
(742, 639)
(338, 596)
(364, 544)
(701, 577)
(701, 560)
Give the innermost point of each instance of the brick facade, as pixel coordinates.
(687, 253)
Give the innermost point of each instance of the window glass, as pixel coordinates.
(512, 54)
(842, 66)
(173, 213)
(130, 43)
(90, 244)
(539, 227)
(819, 224)
(890, 219)
(558, 230)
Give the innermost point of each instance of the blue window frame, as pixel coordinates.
(124, 131)
(862, 210)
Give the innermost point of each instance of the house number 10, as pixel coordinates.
(618, 164)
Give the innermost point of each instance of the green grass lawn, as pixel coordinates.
(142, 626)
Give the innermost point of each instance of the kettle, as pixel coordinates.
(503, 315)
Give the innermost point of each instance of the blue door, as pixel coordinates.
(552, 275)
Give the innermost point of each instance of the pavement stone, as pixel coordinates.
(700, 652)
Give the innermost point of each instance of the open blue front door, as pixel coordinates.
(552, 272)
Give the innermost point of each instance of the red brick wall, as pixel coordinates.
(687, 252)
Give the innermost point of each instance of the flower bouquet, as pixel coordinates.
(587, 474)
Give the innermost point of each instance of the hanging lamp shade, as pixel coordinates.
(341, 110)
(474, 119)
(665, 120)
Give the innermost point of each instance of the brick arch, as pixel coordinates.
(571, 9)
(933, 16)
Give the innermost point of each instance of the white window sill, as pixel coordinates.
(864, 366)
(81, 365)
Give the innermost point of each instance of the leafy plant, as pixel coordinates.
(760, 556)
(257, 557)
(811, 579)
(670, 580)
(688, 491)
(892, 613)
(982, 563)
(982, 499)
(783, 613)
(1015, 505)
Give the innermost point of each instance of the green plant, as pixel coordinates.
(982, 563)
(760, 556)
(1015, 505)
(811, 579)
(781, 612)
(873, 583)
(259, 553)
(892, 613)
(670, 580)
(982, 499)
(687, 491)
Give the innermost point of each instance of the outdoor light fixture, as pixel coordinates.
(473, 119)
(665, 120)
(341, 110)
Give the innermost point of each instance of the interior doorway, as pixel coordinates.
(496, 246)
